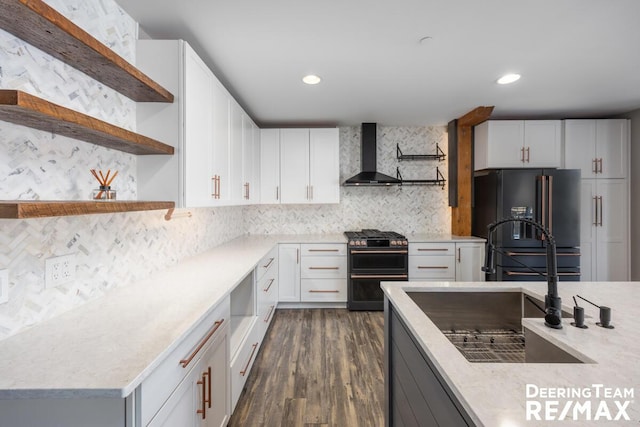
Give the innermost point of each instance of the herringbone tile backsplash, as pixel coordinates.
(118, 249)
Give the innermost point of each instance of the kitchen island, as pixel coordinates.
(599, 391)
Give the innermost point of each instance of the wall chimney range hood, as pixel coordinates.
(368, 162)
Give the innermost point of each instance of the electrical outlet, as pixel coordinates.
(4, 286)
(59, 270)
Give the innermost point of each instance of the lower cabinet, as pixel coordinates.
(243, 361)
(446, 261)
(415, 393)
(314, 272)
(179, 391)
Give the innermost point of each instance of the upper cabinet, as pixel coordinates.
(210, 131)
(599, 148)
(306, 169)
(518, 144)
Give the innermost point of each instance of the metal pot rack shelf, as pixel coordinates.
(440, 181)
(439, 156)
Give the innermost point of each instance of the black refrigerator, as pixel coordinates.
(548, 196)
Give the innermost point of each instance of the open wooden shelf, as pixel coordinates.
(43, 27)
(28, 110)
(23, 209)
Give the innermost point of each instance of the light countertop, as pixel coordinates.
(108, 346)
(494, 394)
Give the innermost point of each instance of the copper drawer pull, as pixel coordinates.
(509, 253)
(269, 287)
(324, 268)
(244, 371)
(210, 396)
(432, 267)
(266, 319)
(324, 250)
(313, 291)
(185, 362)
(269, 263)
(433, 249)
(203, 409)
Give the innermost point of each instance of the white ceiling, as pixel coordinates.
(578, 58)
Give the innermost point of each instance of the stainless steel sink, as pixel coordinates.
(487, 326)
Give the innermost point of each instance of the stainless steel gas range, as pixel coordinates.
(374, 256)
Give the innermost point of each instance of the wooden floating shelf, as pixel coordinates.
(24, 109)
(45, 28)
(24, 209)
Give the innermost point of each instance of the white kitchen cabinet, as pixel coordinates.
(254, 194)
(309, 166)
(450, 261)
(517, 144)
(469, 262)
(186, 124)
(221, 177)
(270, 166)
(323, 272)
(289, 272)
(604, 244)
(235, 158)
(599, 148)
(250, 151)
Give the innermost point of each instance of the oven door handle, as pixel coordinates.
(401, 251)
(379, 276)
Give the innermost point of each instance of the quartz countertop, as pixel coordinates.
(108, 346)
(495, 394)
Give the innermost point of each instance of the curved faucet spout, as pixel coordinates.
(553, 303)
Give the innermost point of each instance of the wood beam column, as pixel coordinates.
(463, 163)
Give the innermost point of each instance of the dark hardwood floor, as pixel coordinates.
(317, 367)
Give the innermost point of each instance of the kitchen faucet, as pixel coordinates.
(552, 302)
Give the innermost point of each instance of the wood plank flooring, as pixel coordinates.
(317, 367)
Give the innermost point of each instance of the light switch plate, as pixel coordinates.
(59, 270)
(4, 286)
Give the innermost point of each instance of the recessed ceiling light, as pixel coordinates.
(311, 79)
(508, 78)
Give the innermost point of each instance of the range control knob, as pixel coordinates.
(404, 243)
(352, 243)
(363, 243)
(394, 243)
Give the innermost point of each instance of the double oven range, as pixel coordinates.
(374, 256)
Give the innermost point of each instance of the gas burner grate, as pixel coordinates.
(489, 346)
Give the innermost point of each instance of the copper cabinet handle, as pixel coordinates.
(522, 155)
(210, 395)
(324, 250)
(459, 255)
(433, 249)
(528, 154)
(216, 325)
(595, 209)
(432, 267)
(269, 286)
(213, 183)
(601, 211)
(594, 165)
(269, 263)
(324, 268)
(311, 186)
(203, 409)
(248, 190)
(244, 371)
(329, 291)
(297, 256)
(266, 319)
(600, 162)
(277, 192)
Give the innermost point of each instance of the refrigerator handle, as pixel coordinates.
(543, 202)
(595, 210)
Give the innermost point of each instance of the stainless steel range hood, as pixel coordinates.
(368, 161)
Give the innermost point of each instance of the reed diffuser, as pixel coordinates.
(104, 192)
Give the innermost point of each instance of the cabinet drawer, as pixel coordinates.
(242, 363)
(269, 262)
(323, 249)
(155, 390)
(267, 286)
(326, 267)
(334, 290)
(432, 267)
(443, 248)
